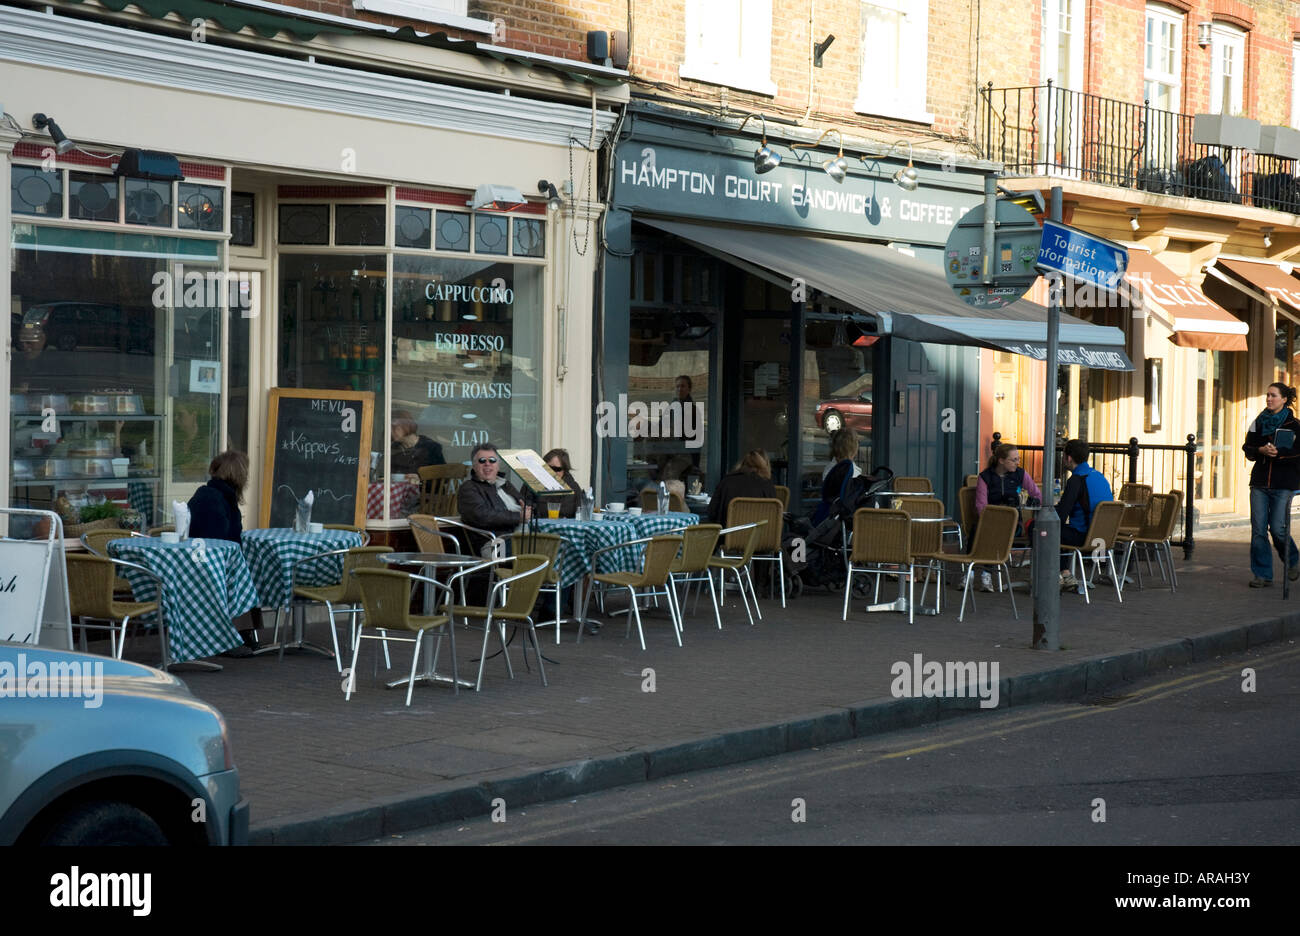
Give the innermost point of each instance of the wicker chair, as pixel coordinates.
(912, 485)
(881, 545)
(386, 598)
(511, 599)
(971, 480)
(991, 546)
(361, 531)
(966, 514)
(742, 538)
(783, 495)
(439, 485)
(96, 541)
(692, 565)
(653, 579)
(429, 538)
(1155, 536)
(1099, 542)
(1135, 516)
(165, 528)
(926, 542)
(345, 594)
(541, 544)
(650, 502)
(767, 547)
(90, 594)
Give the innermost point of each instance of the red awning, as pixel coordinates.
(1197, 321)
(1268, 278)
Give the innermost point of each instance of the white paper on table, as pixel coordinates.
(181, 515)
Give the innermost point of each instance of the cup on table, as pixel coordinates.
(315, 528)
(614, 508)
(553, 511)
(397, 478)
(696, 487)
(634, 511)
(169, 536)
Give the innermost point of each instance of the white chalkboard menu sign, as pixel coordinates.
(319, 441)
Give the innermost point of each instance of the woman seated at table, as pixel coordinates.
(557, 459)
(214, 514)
(752, 477)
(840, 469)
(487, 500)
(410, 450)
(1000, 485)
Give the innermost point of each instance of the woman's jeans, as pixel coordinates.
(1269, 508)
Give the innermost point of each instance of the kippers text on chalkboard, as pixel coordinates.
(317, 441)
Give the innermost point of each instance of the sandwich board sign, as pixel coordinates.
(34, 606)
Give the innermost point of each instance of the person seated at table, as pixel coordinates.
(840, 469)
(487, 500)
(1000, 484)
(214, 514)
(410, 450)
(752, 477)
(557, 459)
(1079, 498)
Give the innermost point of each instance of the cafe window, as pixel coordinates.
(34, 191)
(838, 393)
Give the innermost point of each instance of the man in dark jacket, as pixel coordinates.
(1079, 498)
(487, 500)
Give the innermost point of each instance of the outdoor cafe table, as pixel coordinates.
(583, 537)
(271, 554)
(429, 563)
(208, 585)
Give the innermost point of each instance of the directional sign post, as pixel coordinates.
(1081, 256)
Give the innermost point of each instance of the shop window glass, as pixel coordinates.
(668, 372)
(359, 225)
(466, 362)
(837, 393)
(332, 316)
(243, 219)
(490, 233)
(530, 238)
(453, 230)
(148, 203)
(92, 197)
(412, 227)
(305, 224)
(117, 341)
(34, 192)
(202, 208)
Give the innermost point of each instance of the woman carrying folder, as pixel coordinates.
(1273, 444)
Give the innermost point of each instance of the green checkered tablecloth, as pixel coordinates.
(207, 585)
(643, 525)
(271, 555)
(583, 538)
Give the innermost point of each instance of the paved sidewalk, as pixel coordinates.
(318, 769)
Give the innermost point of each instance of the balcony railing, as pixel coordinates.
(1045, 130)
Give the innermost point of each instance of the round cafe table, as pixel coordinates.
(429, 564)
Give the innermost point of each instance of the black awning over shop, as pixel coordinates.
(909, 298)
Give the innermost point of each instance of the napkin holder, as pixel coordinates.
(302, 516)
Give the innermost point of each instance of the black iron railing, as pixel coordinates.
(1044, 130)
(1133, 462)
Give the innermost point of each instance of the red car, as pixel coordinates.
(840, 412)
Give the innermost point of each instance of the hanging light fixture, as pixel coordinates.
(765, 158)
(837, 168)
(905, 178)
(61, 143)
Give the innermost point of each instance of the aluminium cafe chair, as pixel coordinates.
(1099, 547)
(475, 539)
(692, 564)
(439, 488)
(881, 546)
(1138, 496)
(912, 485)
(386, 600)
(341, 597)
(926, 542)
(549, 545)
(991, 546)
(90, 596)
(650, 502)
(510, 600)
(360, 531)
(765, 511)
(652, 580)
(1155, 536)
(96, 541)
(741, 538)
(783, 495)
(430, 539)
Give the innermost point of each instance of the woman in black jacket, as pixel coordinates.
(558, 461)
(752, 477)
(1273, 479)
(214, 514)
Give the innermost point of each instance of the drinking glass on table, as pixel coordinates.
(553, 511)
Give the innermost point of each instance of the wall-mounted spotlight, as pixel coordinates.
(765, 158)
(1267, 231)
(905, 178)
(1204, 34)
(819, 49)
(61, 143)
(553, 200)
(837, 168)
(1133, 218)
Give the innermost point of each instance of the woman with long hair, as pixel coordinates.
(214, 514)
(752, 477)
(1273, 444)
(1000, 484)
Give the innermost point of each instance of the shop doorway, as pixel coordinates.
(1216, 429)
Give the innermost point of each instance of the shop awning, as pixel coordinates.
(910, 298)
(1197, 321)
(1269, 279)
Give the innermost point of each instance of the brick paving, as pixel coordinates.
(304, 752)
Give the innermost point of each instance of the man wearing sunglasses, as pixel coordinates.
(487, 501)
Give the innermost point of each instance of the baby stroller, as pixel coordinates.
(828, 542)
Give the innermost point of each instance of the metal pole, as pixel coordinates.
(990, 225)
(1047, 526)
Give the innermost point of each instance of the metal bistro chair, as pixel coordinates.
(96, 541)
(549, 545)
(1135, 516)
(912, 485)
(1155, 535)
(767, 546)
(742, 537)
(511, 599)
(430, 539)
(439, 488)
(652, 580)
(473, 546)
(692, 565)
(966, 514)
(650, 502)
(1099, 547)
(926, 542)
(361, 531)
(991, 546)
(343, 597)
(881, 545)
(386, 598)
(783, 495)
(90, 594)
(165, 528)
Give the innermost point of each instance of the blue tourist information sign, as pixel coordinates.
(1081, 256)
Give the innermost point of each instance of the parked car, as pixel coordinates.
(72, 325)
(837, 413)
(135, 759)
